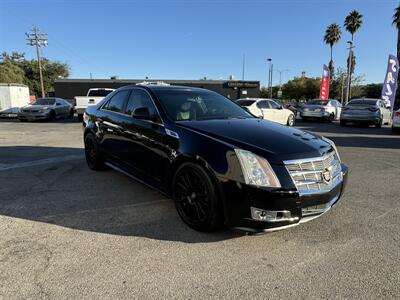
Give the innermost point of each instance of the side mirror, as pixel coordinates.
(143, 113)
(280, 107)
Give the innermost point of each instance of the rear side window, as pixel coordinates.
(139, 99)
(116, 103)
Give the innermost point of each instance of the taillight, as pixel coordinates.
(373, 109)
(397, 113)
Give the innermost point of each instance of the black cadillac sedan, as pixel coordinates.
(219, 164)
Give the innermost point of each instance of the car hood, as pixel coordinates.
(273, 141)
(37, 106)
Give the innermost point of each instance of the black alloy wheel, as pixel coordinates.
(196, 199)
(93, 157)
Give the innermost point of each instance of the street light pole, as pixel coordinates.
(38, 39)
(269, 74)
(280, 77)
(349, 71)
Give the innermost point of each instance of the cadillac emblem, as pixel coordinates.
(326, 175)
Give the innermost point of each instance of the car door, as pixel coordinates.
(144, 149)
(277, 112)
(109, 124)
(58, 107)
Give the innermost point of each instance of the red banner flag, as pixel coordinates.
(324, 90)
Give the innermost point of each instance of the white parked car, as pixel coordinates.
(396, 121)
(268, 109)
(328, 110)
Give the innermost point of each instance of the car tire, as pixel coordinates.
(379, 124)
(80, 117)
(52, 115)
(196, 198)
(94, 158)
(71, 114)
(331, 117)
(290, 120)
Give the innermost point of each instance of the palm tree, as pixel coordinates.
(332, 37)
(353, 22)
(396, 22)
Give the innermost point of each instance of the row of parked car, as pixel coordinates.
(357, 111)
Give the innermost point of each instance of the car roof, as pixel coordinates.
(155, 87)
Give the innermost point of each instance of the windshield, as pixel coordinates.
(44, 101)
(318, 102)
(190, 105)
(245, 102)
(362, 102)
(99, 93)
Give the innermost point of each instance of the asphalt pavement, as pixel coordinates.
(69, 232)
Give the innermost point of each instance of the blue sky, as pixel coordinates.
(188, 39)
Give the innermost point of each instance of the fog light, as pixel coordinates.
(272, 215)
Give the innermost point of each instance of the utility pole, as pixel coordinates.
(349, 71)
(244, 61)
(269, 76)
(37, 39)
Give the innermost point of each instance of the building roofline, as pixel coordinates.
(152, 80)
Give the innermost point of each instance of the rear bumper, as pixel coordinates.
(283, 209)
(396, 123)
(360, 118)
(315, 114)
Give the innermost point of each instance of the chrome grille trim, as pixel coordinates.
(307, 174)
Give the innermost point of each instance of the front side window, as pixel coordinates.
(116, 103)
(44, 101)
(140, 99)
(262, 104)
(190, 105)
(274, 105)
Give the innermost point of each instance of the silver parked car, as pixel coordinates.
(328, 110)
(366, 111)
(46, 109)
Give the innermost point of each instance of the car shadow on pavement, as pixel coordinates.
(53, 185)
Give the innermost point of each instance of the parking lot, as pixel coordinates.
(69, 232)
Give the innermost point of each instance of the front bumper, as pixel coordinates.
(33, 115)
(286, 208)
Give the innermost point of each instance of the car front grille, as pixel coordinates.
(315, 175)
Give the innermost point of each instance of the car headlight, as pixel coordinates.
(333, 146)
(256, 170)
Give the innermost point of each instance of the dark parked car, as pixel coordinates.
(220, 164)
(288, 106)
(46, 109)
